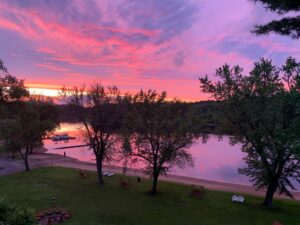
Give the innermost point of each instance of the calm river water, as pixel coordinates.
(215, 160)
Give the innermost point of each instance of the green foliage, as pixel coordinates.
(25, 128)
(289, 25)
(160, 132)
(98, 108)
(11, 214)
(23, 124)
(264, 111)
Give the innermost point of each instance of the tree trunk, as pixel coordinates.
(30, 150)
(26, 163)
(270, 194)
(99, 170)
(154, 183)
(25, 158)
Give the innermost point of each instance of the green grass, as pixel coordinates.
(2, 151)
(91, 204)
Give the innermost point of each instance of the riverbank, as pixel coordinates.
(212, 185)
(42, 159)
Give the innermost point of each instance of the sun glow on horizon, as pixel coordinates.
(44, 92)
(54, 91)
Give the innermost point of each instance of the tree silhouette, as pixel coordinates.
(160, 133)
(11, 88)
(99, 110)
(288, 25)
(264, 111)
(27, 126)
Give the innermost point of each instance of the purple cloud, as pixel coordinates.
(134, 44)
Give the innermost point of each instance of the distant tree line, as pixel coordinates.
(203, 114)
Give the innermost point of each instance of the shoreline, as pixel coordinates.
(70, 162)
(40, 158)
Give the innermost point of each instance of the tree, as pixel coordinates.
(159, 133)
(99, 110)
(11, 88)
(264, 111)
(23, 124)
(289, 25)
(27, 127)
(291, 71)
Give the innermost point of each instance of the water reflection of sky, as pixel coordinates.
(214, 160)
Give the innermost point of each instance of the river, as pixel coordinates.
(214, 159)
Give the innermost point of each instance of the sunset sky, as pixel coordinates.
(157, 44)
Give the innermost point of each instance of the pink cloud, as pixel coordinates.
(51, 66)
(145, 44)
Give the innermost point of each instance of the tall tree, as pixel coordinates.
(99, 110)
(22, 124)
(264, 111)
(26, 128)
(288, 25)
(159, 133)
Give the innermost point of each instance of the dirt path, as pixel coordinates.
(8, 166)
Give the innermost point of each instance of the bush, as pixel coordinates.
(11, 214)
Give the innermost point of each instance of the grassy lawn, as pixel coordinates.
(2, 151)
(111, 205)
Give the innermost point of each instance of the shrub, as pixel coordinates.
(11, 214)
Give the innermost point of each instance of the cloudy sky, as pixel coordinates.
(134, 44)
